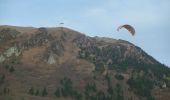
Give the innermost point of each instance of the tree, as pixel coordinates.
(6, 90)
(37, 92)
(6, 66)
(11, 69)
(77, 96)
(100, 95)
(119, 91)
(57, 92)
(90, 89)
(31, 91)
(110, 90)
(44, 92)
(142, 86)
(64, 94)
(67, 88)
(2, 78)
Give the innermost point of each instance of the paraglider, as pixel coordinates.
(128, 27)
(61, 23)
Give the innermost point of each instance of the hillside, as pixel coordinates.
(63, 64)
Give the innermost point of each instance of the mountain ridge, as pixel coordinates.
(42, 57)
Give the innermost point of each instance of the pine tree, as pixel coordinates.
(37, 92)
(11, 69)
(44, 92)
(31, 91)
(57, 92)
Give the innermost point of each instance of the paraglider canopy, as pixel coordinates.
(128, 27)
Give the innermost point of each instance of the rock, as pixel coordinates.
(2, 58)
(12, 50)
(9, 52)
(51, 59)
(164, 85)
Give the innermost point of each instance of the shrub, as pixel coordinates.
(119, 77)
(111, 66)
(99, 66)
(7, 66)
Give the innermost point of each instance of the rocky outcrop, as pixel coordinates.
(14, 50)
(51, 59)
(2, 58)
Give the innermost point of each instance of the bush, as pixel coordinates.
(99, 66)
(7, 66)
(119, 77)
(111, 66)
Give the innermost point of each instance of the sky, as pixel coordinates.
(151, 19)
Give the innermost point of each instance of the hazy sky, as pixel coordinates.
(151, 18)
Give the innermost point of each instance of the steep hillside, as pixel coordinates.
(60, 63)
